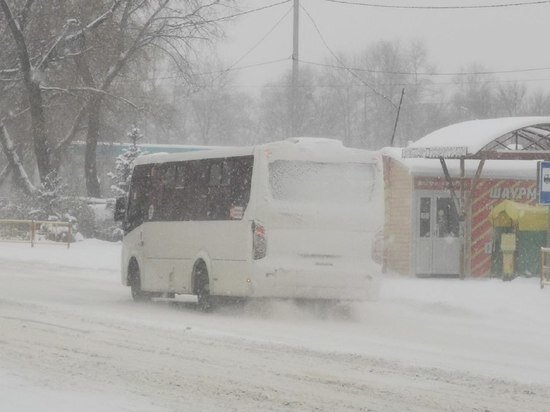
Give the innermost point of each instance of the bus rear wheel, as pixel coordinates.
(202, 288)
(134, 279)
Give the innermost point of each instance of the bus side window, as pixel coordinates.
(208, 189)
(155, 194)
(181, 192)
(229, 198)
(196, 190)
(227, 171)
(215, 175)
(241, 181)
(167, 205)
(181, 177)
(217, 202)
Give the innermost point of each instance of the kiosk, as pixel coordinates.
(440, 191)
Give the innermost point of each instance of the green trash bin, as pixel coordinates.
(528, 252)
(530, 224)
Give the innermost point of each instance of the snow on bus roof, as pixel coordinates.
(468, 138)
(213, 152)
(292, 148)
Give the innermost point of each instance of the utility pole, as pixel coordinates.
(294, 104)
(397, 117)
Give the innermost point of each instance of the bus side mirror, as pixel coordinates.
(120, 209)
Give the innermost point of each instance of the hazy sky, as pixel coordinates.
(499, 38)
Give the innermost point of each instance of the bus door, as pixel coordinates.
(157, 236)
(137, 217)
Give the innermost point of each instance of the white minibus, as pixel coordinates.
(292, 219)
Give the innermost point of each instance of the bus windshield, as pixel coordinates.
(311, 182)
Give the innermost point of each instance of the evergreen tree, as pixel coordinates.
(124, 164)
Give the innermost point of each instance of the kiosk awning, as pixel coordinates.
(501, 138)
(526, 217)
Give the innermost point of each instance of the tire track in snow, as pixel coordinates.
(145, 360)
(150, 355)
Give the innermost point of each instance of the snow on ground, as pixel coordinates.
(89, 254)
(20, 395)
(71, 337)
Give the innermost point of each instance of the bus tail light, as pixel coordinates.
(259, 241)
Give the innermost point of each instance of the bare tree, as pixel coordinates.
(141, 27)
(34, 54)
(475, 94)
(14, 162)
(355, 98)
(105, 40)
(538, 104)
(510, 98)
(31, 81)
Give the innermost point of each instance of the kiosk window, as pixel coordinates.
(447, 218)
(425, 216)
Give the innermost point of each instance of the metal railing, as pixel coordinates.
(544, 267)
(36, 231)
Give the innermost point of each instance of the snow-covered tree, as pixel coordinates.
(124, 164)
(49, 199)
(61, 62)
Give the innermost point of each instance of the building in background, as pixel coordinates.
(73, 170)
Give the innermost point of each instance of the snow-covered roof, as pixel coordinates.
(468, 138)
(495, 169)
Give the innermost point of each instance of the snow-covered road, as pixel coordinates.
(71, 338)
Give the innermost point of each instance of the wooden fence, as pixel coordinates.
(36, 232)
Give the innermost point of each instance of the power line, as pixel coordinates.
(454, 7)
(490, 81)
(232, 66)
(231, 16)
(277, 23)
(331, 66)
(342, 64)
(344, 86)
(180, 76)
(397, 72)
(427, 85)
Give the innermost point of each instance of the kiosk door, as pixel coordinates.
(437, 241)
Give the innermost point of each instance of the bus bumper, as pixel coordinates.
(317, 283)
